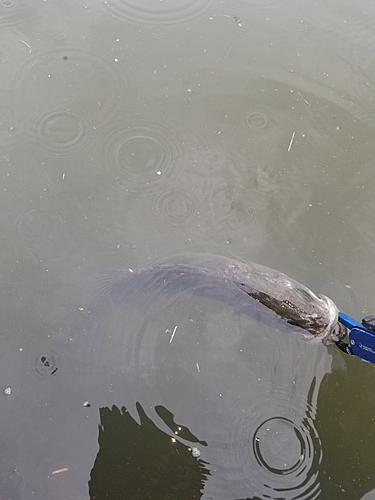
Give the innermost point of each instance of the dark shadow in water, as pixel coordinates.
(345, 420)
(139, 461)
(180, 430)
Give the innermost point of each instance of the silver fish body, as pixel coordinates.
(245, 284)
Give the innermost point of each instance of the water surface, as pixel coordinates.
(134, 130)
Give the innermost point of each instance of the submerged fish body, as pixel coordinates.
(251, 287)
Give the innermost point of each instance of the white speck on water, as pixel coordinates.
(158, 172)
(291, 141)
(80, 308)
(8, 390)
(130, 270)
(174, 331)
(27, 45)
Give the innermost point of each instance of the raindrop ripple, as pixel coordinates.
(166, 12)
(283, 448)
(178, 207)
(47, 363)
(59, 79)
(39, 228)
(141, 154)
(256, 120)
(60, 132)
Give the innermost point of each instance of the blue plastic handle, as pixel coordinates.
(361, 340)
(348, 321)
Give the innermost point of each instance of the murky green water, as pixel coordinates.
(132, 130)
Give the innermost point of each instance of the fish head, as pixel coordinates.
(334, 330)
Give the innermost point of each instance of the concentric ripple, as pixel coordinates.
(271, 439)
(141, 154)
(161, 12)
(256, 120)
(47, 363)
(178, 207)
(157, 31)
(39, 228)
(288, 454)
(281, 444)
(58, 80)
(13, 12)
(8, 3)
(59, 132)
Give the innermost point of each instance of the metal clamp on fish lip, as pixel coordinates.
(361, 337)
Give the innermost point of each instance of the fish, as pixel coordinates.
(252, 288)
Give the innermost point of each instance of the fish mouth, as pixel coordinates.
(334, 331)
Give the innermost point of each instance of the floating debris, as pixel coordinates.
(174, 331)
(291, 141)
(27, 45)
(303, 98)
(59, 471)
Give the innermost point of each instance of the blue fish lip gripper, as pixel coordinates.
(361, 337)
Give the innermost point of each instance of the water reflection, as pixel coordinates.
(138, 460)
(351, 428)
